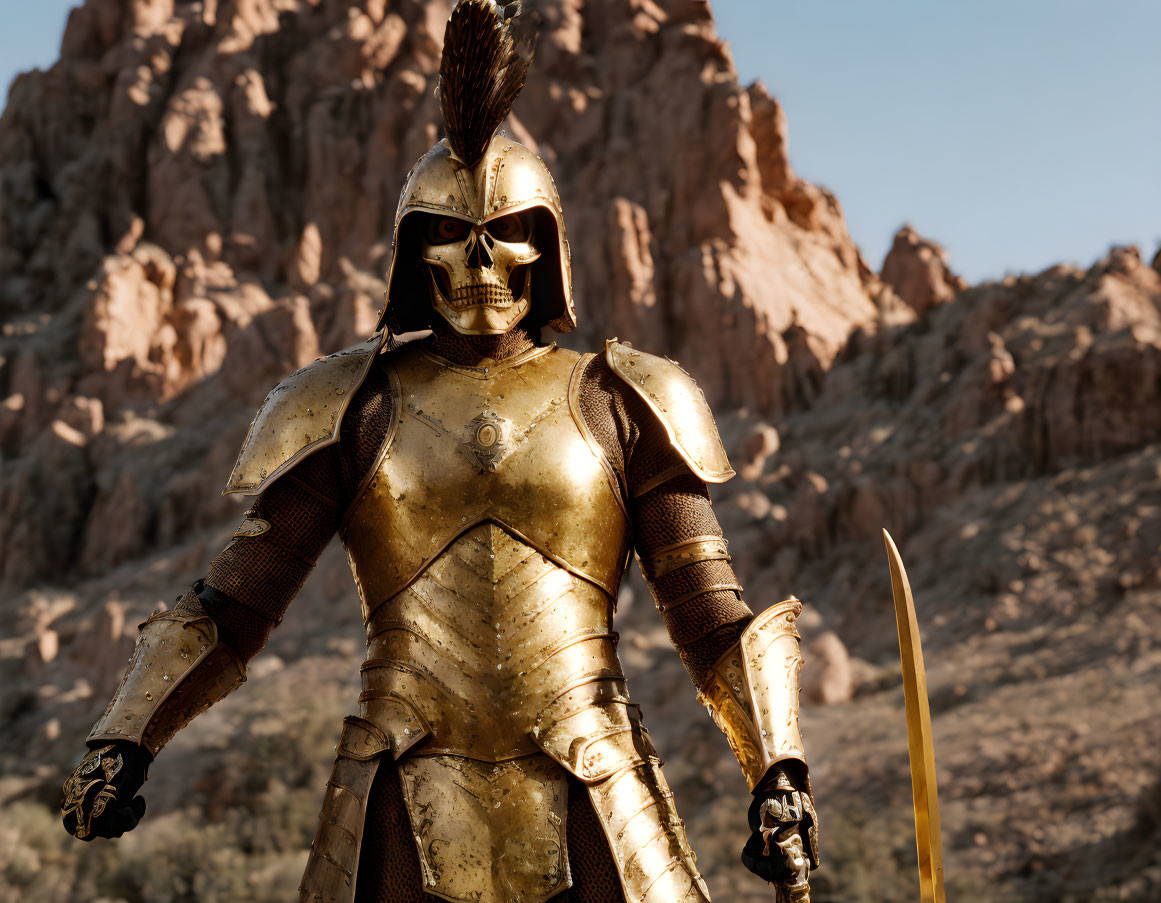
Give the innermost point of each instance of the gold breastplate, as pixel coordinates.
(487, 548)
(482, 642)
(469, 445)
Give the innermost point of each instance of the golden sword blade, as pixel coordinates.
(920, 744)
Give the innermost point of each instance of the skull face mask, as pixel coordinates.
(479, 272)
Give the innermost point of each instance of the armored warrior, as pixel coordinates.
(489, 490)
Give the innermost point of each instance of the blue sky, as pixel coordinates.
(1018, 133)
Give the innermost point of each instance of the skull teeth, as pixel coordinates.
(466, 296)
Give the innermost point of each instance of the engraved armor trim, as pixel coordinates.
(252, 526)
(361, 739)
(596, 732)
(178, 670)
(752, 692)
(686, 552)
(679, 404)
(302, 414)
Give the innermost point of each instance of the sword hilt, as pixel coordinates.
(798, 892)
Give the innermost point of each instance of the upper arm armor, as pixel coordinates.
(302, 414)
(680, 406)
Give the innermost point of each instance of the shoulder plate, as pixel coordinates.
(679, 404)
(302, 414)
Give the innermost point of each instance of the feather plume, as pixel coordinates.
(481, 73)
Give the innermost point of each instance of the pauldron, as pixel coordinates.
(301, 415)
(179, 669)
(679, 405)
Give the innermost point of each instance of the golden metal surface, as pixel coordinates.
(334, 855)
(178, 670)
(301, 414)
(463, 453)
(486, 650)
(752, 692)
(473, 290)
(489, 832)
(487, 564)
(252, 526)
(509, 179)
(679, 404)
(647, 839)
(361, 739)
(490, 673)
(920, 743)
(689, 551)
(594, 731)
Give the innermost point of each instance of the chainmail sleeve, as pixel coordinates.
(251, 583)
(696, 590)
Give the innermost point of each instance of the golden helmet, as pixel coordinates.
(479, 231)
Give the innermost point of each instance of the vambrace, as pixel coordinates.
(752, 692)
(179, 669)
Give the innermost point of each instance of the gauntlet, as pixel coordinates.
(98, 797)
(782, 847)
(752, 693)
(178, 669)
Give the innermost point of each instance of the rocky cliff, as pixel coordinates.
(198, 198)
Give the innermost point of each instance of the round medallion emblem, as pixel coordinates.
(486, 435)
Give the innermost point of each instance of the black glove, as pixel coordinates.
(781, 817)
(99, 796)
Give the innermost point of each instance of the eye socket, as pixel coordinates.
(514, 227)
(445, 229)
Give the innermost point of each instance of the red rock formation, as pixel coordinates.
(198, 198)
(917, 270)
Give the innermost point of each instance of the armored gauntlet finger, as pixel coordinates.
(99, 796)
(782, 846)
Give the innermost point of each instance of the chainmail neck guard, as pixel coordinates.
(470, 350)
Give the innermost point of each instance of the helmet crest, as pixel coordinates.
(484, 188)
(481, 74)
